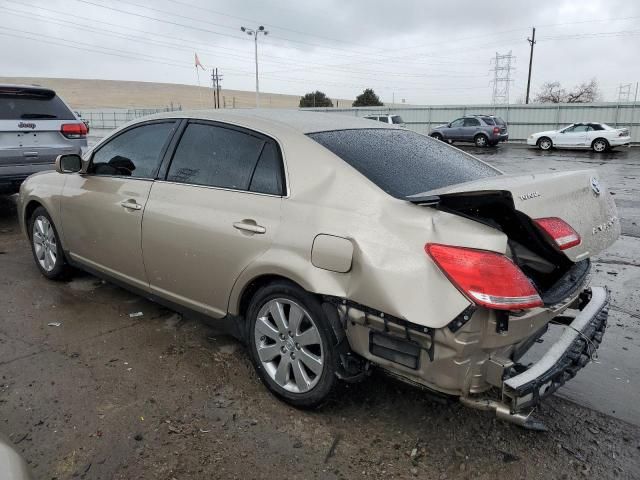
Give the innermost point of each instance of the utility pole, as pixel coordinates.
(213, 85)
(218, 79)
(254, 33)
(502, 77)
(532, 42)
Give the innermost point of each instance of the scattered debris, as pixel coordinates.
(332, 449)
(138, 437)
(297, 444)
(54, 324)
(136, 314)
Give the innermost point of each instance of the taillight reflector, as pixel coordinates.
(496, 129)
(74, 130)
(560, 232)
(486, 278)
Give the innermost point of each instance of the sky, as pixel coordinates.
(422, 52)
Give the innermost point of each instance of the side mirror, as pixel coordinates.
(448, 125)
(71, 163)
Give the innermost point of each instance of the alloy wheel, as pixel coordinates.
(481, 141)
(289, 345)
(45, 243)
(599, 145)
(545, 144)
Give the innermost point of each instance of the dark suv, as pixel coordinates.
(482, 130)
(35, 127)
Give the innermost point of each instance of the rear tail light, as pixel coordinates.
(74, 130)
(496, 129)
(486, 278)
(559, 231)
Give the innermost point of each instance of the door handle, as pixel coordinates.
(249, 226)
(131, 205)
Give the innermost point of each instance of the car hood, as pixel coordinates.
(548, 132)
(444, 125)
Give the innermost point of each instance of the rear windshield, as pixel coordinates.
(403, 162)
(23, 107)
(397, 119)
(499, 121)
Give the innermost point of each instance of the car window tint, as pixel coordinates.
(580, 129)
(34, 107)
(383, 119)
(596, 126)
(134, 153)
(215, 156)
(499, 121)
(397, 119)
(471, 122)
(402, 162)
(267, 177)
(458, 123)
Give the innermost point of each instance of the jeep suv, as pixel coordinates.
(482, 130)
(35, 127)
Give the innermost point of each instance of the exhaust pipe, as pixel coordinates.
(503, 412)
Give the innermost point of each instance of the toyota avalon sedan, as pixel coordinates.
(331, 245)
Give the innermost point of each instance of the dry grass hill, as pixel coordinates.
(89, 94)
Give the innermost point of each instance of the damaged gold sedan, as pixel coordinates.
(331, 244)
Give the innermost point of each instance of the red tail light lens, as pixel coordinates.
(74, 130)
(486, 278)
(496, 129)
(559, 231)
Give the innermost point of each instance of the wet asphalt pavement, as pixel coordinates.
(109, 396)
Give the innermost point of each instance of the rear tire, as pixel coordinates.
(292, 344)
(600, 145)
(544, 143)
(481, 140)
(46, 247)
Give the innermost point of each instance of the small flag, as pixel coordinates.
(198, 64)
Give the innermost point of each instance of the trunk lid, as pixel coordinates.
(577, 197)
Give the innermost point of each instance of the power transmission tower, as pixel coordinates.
(532, 42)
(502, 67)
(624, 93)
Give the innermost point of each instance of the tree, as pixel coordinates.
(368, 98)
(552, 92)
(315, 99)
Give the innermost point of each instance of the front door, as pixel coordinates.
(574, 136)
(102, 209)
(217, 211)
(454, 132)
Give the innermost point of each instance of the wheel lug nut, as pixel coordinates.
(282, 336)
(298, 346)
(283, 349)
(262, 338)
(293, 355)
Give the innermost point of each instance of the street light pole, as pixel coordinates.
(254, 33)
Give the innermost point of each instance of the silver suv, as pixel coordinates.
(35, 127)
(482, 130)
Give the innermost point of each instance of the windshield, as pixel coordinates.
(22, 107)
(402, 162)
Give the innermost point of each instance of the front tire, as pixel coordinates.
(600, 145)
(292, 344)
(437, 136)
(46, 247)
(545, 143)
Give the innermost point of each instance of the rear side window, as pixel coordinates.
(25, 106)
(488, 120)
(471, 122)
(216, 156)
(499, 121)
(401, 162)
(134, 153)
(383, 119)
(397, 119)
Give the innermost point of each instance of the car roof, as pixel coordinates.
(271, 119)
(27, 88)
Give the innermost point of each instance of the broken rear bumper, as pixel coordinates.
(562, 361)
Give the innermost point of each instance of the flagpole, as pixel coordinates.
(199, 89)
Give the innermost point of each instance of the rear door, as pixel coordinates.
(102, 210)
(31, 121)
(217, 210)
(470, 128)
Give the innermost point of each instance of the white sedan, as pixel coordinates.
(597, 136)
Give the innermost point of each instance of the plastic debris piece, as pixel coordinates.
(135, 314)
(54, 324)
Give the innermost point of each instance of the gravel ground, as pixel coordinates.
(159, 396)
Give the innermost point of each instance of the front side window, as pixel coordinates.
(402, 162)
(458, 123)
(577, 129)
(383, 119)
(135, 153)
(216, 156)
